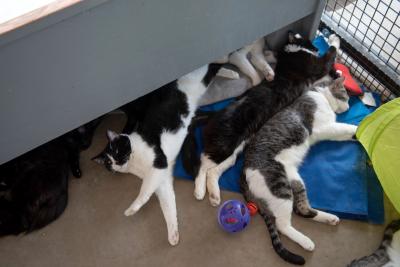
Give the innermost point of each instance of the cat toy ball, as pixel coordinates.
(252, 208)
(233, 216)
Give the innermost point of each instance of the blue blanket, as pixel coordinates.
(336, 174)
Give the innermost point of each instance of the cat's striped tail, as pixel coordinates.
(277, 243)
(380, 256)
(271, 226)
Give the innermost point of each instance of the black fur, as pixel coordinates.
(237, 122)
(190, 160)
(151, 115)
(34, 186)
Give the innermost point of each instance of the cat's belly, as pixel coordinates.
(293, 156)
(171, 143)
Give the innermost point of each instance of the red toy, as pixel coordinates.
(349, 83)
(252, 208)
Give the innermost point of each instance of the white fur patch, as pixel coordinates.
(291, 48)
(394, 251)
(293, 156)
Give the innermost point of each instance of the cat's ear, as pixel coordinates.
(100, 158)
(111, 135)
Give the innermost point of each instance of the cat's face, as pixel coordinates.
(339, 99)
(117, 153)
(297, 42)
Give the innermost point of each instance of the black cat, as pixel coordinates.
(34, 186)
(226, 133)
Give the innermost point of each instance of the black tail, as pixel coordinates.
(271, 226)
(190, 159)
(277, 243)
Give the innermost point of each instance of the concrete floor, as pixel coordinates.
(94, 232)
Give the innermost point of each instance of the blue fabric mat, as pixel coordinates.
(336, 174)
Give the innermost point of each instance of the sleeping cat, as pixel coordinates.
(248, 66)
(272, 157)
(226, 133)
(150, 150)
(388, 253)
(34, 186)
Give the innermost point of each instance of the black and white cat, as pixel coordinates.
(34, 186)
(149, 152)
(226, 133)
(272, 157)
(388, 253)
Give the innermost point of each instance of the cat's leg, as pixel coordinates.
(301, 205)
(166, 196)
(215, 173)
(149, 185)
(270, 57)
(239, 59)
(227, 73)
(73, 159)
(259, 61)
(335, 131)
(222, 60)
(200, 181)
(283, 213)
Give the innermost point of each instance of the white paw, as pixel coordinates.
(215, 199)
(199, 193)
(213, 187)
(200, 188)
(353, 130)
(173, 238)
(269, 75)
(307, 244)
(334, 40)
(129, 212)
(333, 220)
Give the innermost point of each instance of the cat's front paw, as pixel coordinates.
(199, 189)
(129, 212)
(215, 199)
(173, 239)
(308, 244)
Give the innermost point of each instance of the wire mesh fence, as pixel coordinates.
(370, 30)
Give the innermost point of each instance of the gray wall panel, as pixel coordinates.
(63, 75)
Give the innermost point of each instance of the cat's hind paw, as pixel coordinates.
(173, 239)
(269, 75)
(334, 220)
